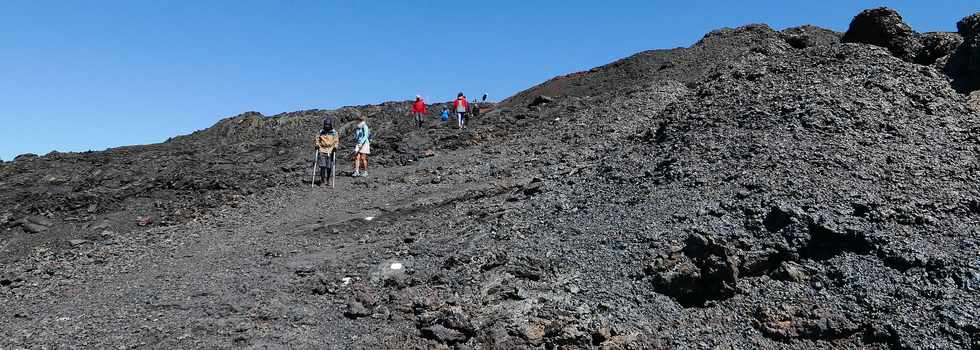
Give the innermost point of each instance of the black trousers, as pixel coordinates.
(325, 164)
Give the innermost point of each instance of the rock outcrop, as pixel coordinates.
(885, 27)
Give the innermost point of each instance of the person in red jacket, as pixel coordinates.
(461, 107)
(418, 110)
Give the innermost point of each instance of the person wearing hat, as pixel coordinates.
(326, 143)
(418, 110)
(363, 148)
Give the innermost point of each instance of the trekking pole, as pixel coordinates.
(316, 161)
(333, 168)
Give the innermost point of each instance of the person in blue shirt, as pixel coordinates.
(445, 114)
(362, 138)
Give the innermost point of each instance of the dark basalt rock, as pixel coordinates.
(758, 189)
(809, 36)
(938, 45)
(702, 271)
(540, 100)
(969, 53)
(25, 157)
(885, 27)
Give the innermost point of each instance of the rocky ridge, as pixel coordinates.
(760, 189)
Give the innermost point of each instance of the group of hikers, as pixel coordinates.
(461, 107)
(327, 141)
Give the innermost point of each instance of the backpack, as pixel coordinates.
(461, 105)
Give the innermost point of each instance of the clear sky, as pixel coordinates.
(85, 75)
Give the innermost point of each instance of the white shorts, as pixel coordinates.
(365, 148)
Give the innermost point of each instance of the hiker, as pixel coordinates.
(445, 114)
(418, 110)
(363, 148)
(484, 97)
(460, 106)
(326, 143)
(476, 109)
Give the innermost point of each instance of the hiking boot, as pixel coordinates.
(363, 174)
(355, 174)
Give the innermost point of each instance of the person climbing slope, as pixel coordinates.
(363, 139)
(445, 114)
(418, 111)
(460, 106)
(326, 143)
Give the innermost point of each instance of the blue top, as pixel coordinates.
(363, 133)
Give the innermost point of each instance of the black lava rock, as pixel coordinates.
(969, 29)
(809, 36)
(885, 27)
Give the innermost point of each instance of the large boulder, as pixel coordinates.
(885, 27)
(969, 27)
(969, 52)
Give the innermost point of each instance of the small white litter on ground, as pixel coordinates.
(396, 266)
(346, 280)
(369, 218)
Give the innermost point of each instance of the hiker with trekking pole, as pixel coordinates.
(325, 159)
(363, 148)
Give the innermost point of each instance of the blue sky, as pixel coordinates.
(85, 75)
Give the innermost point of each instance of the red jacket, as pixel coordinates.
(419, 106)
(461, 101)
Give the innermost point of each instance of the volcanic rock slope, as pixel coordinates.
(760, 189)
(63, 196)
